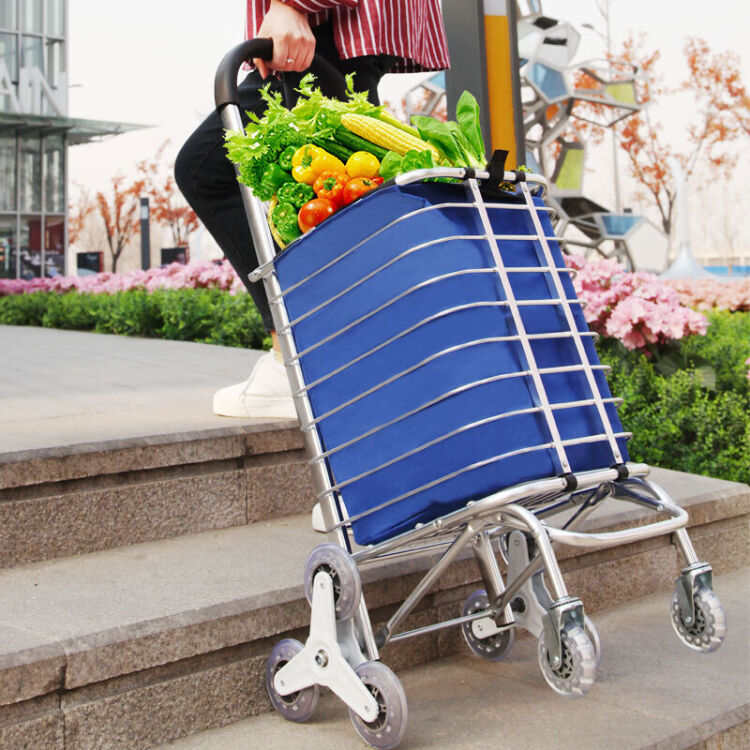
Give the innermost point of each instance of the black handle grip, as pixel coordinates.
(331, 82)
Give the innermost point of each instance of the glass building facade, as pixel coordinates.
(32, 154)
(35, 133)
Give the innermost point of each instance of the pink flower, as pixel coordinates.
(219, 275)
(637, 308)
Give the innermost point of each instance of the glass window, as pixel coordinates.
(8, 247)
(8, 17)
(55, 61)
(7, 173)
(31, 174)
(32, 52)
(54, 246)
(30, 247)
(31, 13)
(54, 17)
(8, 55)
(54, 184)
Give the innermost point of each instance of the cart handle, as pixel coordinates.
(225, 82)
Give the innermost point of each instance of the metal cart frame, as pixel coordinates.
(515, 522)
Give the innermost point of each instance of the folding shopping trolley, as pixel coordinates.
(450, 397)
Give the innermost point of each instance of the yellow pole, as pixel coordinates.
(500, 79)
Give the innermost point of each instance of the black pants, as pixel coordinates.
(207, 178)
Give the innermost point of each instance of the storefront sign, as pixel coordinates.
(33, 91)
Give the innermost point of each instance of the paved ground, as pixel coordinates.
(70, 387)
(651, 692)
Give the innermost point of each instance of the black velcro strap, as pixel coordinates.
(496, 167)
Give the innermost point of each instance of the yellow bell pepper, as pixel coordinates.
(310, 161)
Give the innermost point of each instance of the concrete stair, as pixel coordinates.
(142, 644)
(151, 554)
(650, 694)
(82, 498)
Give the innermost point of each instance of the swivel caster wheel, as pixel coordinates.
(389, 727)
(493, 647)
(574, 676)
(710, 627)
(298, 706)
(338, 563)
(590, 629)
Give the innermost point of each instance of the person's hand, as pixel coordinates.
(293, 42)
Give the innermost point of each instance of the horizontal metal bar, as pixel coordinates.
(464, 428)
(534, 337)
(392, 301)
(443, 353)
(449, 624)
(401, 334)
(478, 465)
(678, 520)
(490, 505)
(403, 217)
(461, 173)
(376, 271)
(263, 270)
(422, 407)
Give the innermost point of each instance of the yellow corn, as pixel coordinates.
(387, 117)
(385, 135)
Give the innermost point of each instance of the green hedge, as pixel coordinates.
(209, 316)
(676, 421)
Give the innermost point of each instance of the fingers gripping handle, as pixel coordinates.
(225, 82)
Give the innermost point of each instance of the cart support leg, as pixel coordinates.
(384, 634)
(520, 518)
(490, 572)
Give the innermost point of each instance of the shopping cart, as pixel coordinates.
(450, 397)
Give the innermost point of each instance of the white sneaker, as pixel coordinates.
(266, 393)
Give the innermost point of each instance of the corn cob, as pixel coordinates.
(387, 117)
(385, 135)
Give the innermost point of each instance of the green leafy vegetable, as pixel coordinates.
(467, 115)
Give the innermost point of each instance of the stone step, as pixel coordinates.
(109, 440)
(651, 693)
(135, 646)
(81, 498)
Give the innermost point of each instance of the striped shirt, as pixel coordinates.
(410, 30)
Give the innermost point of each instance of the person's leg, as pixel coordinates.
(208, 181)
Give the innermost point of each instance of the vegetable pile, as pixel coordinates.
(323, 154)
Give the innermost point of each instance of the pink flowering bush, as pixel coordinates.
(218, 275)
(636, 308)
(705, 294)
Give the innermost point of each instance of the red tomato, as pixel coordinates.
(357, 187)
(315, 211)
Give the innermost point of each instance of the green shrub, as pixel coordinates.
(725, 346)
(23, 309)
(206, 315)
(677, 423)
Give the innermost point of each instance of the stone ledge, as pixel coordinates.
(654, 698)
(23, 468)
(126, 611)
(136, 495)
